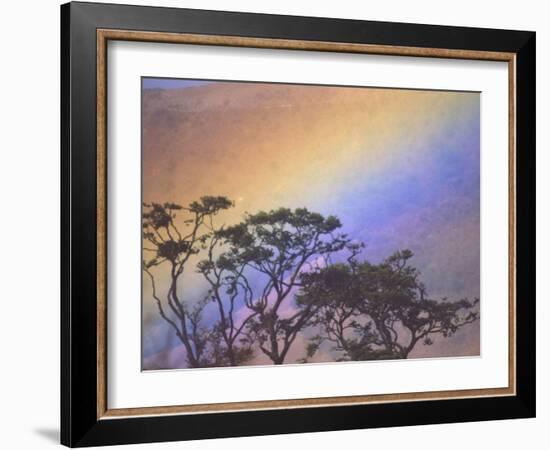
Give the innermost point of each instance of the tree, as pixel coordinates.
(272, 249)
(229, 290)
(167, 244)
(379, 311)
(271, 277)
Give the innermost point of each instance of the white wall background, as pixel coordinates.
(29, 223)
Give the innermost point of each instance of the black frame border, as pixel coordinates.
(79, 423)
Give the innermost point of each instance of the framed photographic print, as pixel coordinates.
(277, 224)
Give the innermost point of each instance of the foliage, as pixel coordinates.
(272, 277)
(380, 311)
(278, 245)
(166, 243)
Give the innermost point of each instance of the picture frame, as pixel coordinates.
(86, 30)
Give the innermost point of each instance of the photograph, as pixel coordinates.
(298, 223)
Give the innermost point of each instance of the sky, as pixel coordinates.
(400, 168)
(170, 83)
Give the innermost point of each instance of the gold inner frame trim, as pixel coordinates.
(103, 36)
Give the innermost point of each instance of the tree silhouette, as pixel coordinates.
(271, 277)
(171, 244)
(278, 245)
(229, 290)
(378, 311)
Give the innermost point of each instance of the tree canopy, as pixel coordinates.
(278, 245)
(379, 311)
(281, 273)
